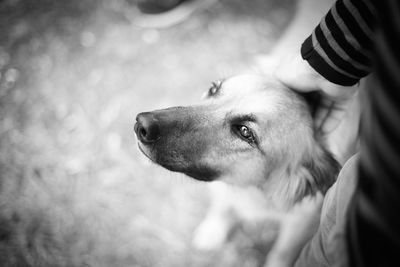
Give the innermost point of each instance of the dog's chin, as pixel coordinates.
(203, 173)
(200, 174)
(204, 176)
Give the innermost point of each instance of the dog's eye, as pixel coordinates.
(215, 86)
(245, 133)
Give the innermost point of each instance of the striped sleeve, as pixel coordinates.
(340, 46)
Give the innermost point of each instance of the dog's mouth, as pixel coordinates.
(205, 175)
(202, 173)
(145, 152)
(151, 153)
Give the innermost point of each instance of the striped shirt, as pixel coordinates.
(340, 46)
(357, 37)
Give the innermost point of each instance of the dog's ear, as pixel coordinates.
(316, 173)
(319, 170)
(323, 169)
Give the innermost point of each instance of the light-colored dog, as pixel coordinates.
(250, 130)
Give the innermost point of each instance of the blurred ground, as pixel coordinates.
(73, 76)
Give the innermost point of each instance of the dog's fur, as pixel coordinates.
(289, 161)
(286, 159)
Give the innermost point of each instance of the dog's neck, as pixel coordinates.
(283, 187)
(291, 182)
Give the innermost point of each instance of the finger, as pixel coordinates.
(295, 73)
(329, 115)
(336, 92)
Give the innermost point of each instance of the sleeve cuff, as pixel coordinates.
(309, 54)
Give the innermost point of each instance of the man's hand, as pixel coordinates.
(337, 114)
(297, 74)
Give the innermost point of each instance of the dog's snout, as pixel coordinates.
(146, 128)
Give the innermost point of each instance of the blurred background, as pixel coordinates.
(74, 188)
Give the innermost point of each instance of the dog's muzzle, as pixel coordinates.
(146, 128)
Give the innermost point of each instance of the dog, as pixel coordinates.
(253, 138)
(248, 131)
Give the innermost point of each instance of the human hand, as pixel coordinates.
(337, 111)
(296, 73)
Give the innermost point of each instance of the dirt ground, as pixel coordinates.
(74, 189)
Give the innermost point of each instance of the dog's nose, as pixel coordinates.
(146, 128)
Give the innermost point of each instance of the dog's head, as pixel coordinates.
(249, 129)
